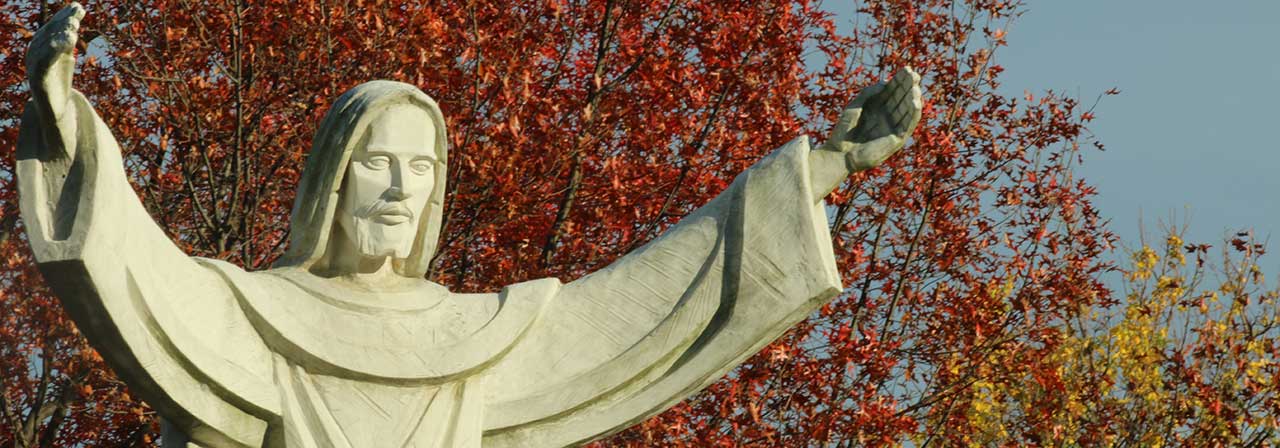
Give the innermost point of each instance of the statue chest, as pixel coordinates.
(424, 335)
(328, 411)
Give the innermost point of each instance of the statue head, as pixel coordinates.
(376, 177)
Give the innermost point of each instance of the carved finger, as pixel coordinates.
(848, 118)
(917, 106)
(906, 110)
(902, 84)
(902, 113)
(68, 27)
(66, 23)
(899, 113)
(874, 153)
(63, 42)
(851, 117)
(58, 36)
(900, 104)
(914, 109)
(71, 12)
(905, 77)
(876, 126)
(866, 95)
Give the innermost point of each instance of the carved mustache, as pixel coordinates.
(380, 208)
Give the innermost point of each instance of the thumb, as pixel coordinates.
(848, 119)
(853, 111)
(865, 94)
(873, 153)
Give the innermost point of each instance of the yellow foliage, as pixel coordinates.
(1144, 261)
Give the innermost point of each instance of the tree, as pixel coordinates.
(962, 261)
(579, 130)
(1191, 357)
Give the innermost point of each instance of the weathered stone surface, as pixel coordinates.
(344, 344)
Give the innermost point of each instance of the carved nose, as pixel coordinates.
(397, 194)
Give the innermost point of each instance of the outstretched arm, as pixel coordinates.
(871, 128)
(50, 125)
(636, 337)
(168, 326)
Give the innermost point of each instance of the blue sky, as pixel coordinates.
(1193, 132)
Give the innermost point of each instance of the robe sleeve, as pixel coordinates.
(629, 341)
(167, 325)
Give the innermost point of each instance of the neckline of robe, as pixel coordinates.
(436, 343)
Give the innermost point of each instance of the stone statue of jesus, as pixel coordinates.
(345, 344)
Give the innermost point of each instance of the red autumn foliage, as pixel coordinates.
(580, 130)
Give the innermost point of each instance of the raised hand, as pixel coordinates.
(871, 128)
(51, 60)
(878, 121)
(50, 65)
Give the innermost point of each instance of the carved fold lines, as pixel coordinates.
(754, 258)
(678, 256)
(656, 294)
(319, 411)
(622, 292)
(417, 355)
(703, 303)
(555, 365)
(691, 304)
(404, 326)
(603, 306)
(603, 330)
(697, 303)
(371, 402)
(696, 300)
(664, 271)
(771, 288)
(411, 437)
(766, 220)
(455, 413)
(296, 423)
(210, 410)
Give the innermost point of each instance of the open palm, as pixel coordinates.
(877, 123)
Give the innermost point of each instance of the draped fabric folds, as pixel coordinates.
(283, 358)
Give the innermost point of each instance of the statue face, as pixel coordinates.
(388, 182)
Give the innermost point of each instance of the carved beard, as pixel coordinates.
(375, 239)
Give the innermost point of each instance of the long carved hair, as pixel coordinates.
(345, 126)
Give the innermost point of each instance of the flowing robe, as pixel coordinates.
(282, 358)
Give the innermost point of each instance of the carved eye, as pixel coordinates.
(420, 166)
(377, 162)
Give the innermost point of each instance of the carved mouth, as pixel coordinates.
(390, 219)
(391, 214)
